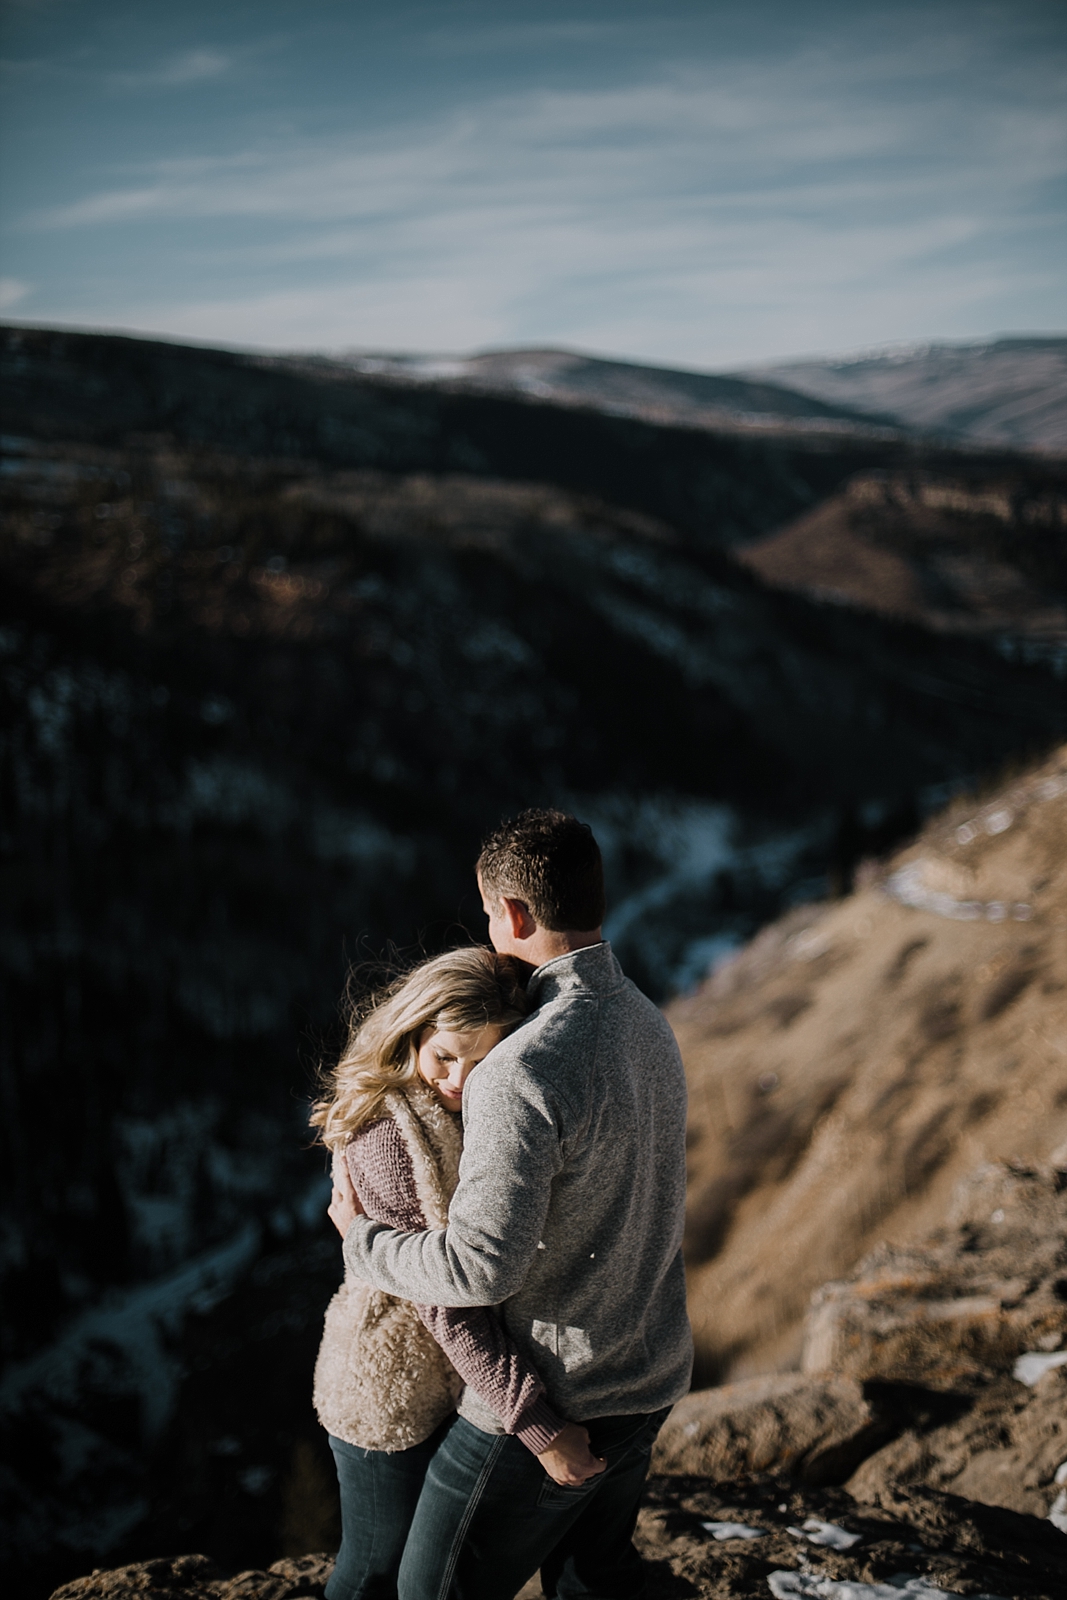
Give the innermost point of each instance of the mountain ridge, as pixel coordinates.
(1007, 392)
(1010, 390)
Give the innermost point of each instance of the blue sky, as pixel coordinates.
(697, 182)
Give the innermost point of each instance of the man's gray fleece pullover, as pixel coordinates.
(569, 1210)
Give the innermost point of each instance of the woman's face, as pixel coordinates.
(446, 1060)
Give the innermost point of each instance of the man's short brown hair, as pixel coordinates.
(550, 862)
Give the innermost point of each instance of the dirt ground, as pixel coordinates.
(958, 1547)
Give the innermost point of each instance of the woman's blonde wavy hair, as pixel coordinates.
(463, 991)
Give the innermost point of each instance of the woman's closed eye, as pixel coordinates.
(446, 1058)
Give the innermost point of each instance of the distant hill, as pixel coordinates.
(983, 556)
(999, 392)
(980, 548)
(628, 388)
(1004, 392)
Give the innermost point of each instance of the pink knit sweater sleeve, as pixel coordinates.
(474, 1340)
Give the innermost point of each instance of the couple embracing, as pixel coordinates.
(508, 1131)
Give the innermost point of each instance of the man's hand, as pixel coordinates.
(569, 1460)
(345, 1205)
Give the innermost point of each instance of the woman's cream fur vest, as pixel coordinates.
(381, 1379)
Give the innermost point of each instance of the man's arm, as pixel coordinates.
(473, 1339)
(511, 1155)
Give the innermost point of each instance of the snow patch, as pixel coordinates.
(732, 1530)
(1031, 1367)
(826, 1533)
(786, 1585)
(908, 885)
(1058, 1512)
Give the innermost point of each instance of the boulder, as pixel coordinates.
(1002, 1448)
(819, 1429)
(196, 1577)
(967, 1299)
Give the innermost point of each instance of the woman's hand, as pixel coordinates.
(569, 1460)
(345, 1204)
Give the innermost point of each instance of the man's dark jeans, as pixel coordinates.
(379, 1493)
(489, 1516)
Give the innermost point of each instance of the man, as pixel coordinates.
(568, 1217)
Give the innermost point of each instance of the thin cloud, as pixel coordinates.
(719, 306)
(12, 290)
(506, 37)
(655, 141)
(190, 67)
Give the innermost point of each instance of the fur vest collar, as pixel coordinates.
(434, 1143)
(381, 1379)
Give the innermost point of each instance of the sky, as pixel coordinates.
(699, 183)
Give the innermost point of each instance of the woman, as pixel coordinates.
(389, 1373)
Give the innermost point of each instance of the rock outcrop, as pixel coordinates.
(939, 1365)
(969, 558)
(933, 1540)
(948, 1318)
(200, 1578)
(782, 1421)
(938, 1542)
(966, 1300)
(1002, 1448)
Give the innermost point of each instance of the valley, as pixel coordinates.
(279, 641)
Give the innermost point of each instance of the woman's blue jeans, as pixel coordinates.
(379, 1492)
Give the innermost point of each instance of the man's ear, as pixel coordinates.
(517, 916)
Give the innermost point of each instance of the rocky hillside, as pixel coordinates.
(762, 1539)
(983, 557)
(861, 1057)
(921, 1448)
(933, 1389)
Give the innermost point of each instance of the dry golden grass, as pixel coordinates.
(860, 1057)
